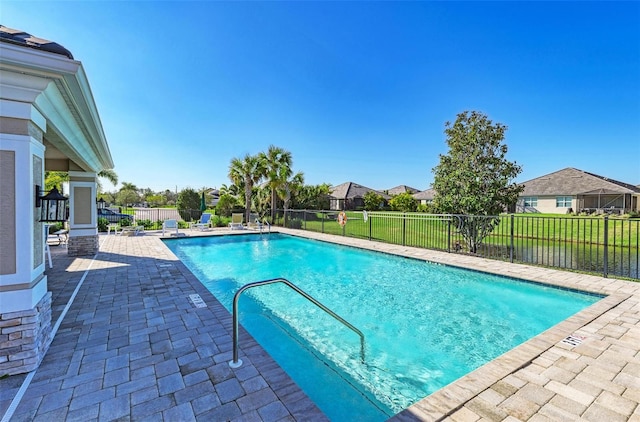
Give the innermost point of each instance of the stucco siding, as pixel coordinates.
(548, 205)
(7, 212)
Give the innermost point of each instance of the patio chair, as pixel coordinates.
(204, 222)
(170, 225)
(236, 221)
(254, 222)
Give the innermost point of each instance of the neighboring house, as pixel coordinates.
(425, 197)
(401, 189)
(214, 194)
(350, 196)
(48, 122)
(579, 190)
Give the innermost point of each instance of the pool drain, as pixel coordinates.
(573, 340)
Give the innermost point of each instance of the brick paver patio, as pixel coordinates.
(132, 346)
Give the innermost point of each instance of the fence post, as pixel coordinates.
(304, 212)
(370, 218)
(511, 241)
(404, 227)
(449, 235)
(322, 229)
(605, 261)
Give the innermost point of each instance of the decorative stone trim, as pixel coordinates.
(25, 337)
(83, 245)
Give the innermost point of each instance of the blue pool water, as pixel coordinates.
(425, 325)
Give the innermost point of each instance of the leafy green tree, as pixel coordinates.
(126, 197)
(404, 202)
(155, 200)
(474, 180)
(311, 197)
(55, 179)
(277, 164)
(188, 204)
(170, 197)
(226, 204)
(247, 172)
(373, 201)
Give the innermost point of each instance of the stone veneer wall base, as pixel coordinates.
(83, 245)
(25, 337)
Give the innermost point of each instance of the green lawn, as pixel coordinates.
(433, 231)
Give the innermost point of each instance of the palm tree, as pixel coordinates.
(277, 162)
(108, 174)
(288, 187)
(129, 186)
(232, 190)
(55, 178)
(247, 172)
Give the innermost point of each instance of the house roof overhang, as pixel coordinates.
(53, 91)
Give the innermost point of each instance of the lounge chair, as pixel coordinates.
(204, 222)
(170, 225)
(236, 221)
(254, 222)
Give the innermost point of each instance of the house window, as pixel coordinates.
(530, 201)
(563, 201)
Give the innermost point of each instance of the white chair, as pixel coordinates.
(170, 225)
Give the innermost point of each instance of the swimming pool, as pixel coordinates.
(425, 325)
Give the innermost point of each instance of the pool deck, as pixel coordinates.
(133, 346)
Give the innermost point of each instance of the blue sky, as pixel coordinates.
(356, 91)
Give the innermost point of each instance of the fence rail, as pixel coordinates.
(604, 245)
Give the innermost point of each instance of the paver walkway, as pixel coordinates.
(134, 347)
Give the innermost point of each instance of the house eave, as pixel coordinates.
(52, 82)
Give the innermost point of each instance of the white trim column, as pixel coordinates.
(83, 219)
(25, 303)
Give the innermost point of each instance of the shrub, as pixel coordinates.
(55, 227)
(125, 222)
(218, 221)
(147, 224)
(103, 224)
(294, 223)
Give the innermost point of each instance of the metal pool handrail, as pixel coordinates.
(236, 363)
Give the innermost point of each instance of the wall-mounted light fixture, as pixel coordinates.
(101, 203)
(53, 205)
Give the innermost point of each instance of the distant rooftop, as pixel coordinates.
(18, 37)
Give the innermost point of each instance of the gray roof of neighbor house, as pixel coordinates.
(350, 190)
(16, 36)
(426, 195)
(401, 189)
(571, 181)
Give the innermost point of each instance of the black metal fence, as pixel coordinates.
(604, 245)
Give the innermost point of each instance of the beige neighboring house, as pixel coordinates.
(48, 122)
(579, 190)
(425, 197)
(350, 196)
(401, 189)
